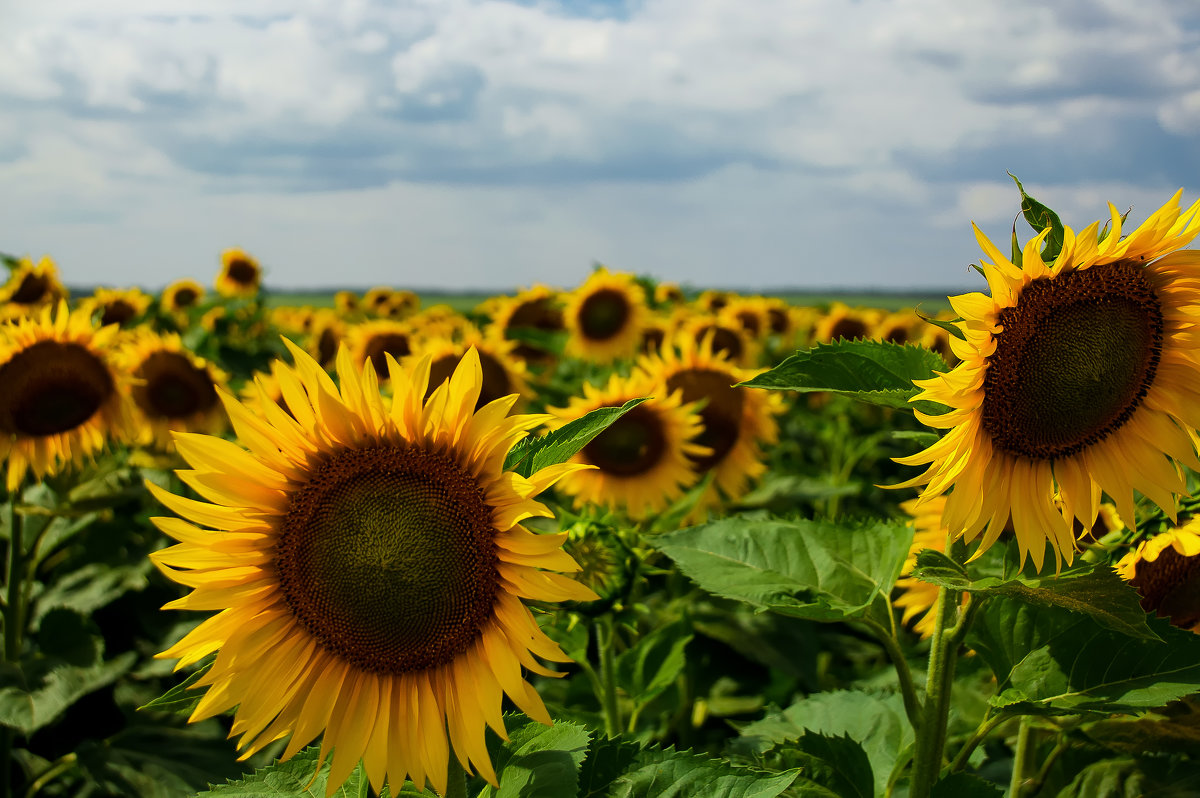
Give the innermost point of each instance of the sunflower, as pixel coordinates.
(30, 287)
(240, 275)
(377, 300)
(604, 317)
(728, 338)
(119, 306)
(61, 395)
(173, 389)
(712, 300)
(737, 421)
(1165, 571)
(668, 294)
(375, 340)
(916, 597)
(843, 321)
(749, 314)
(346, 302)
(643, 462)
(503, 373)
(896, 328)
(181, 296)
(535, 308)
(1078, 376)
(325, 336)
(397, 665)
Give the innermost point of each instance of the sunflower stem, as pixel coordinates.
(1019, 757)
(605, 641)
(14, 612)
(931, 734)
(908, 688)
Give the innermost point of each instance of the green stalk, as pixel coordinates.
(908, 688)
(1019, 757)
(931, 734)
(14, 615)
(456, 785)
(605, 641)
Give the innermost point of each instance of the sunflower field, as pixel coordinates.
(610, 541)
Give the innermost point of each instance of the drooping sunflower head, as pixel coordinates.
(604, 316)
(1166, 572)
(369, 564)
(643, 462)
(503, 373)
(122, 307)
(32, 286)
(181, 296)
(240, 275)
(377, 339)
(173, 389)
(736, 421)
(62, 396)
(538, 308)
(1077, 377)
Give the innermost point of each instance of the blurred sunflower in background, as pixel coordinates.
(240, 275)
(119, 306)
(897, 328)
(62, 395)
(181, 295)
(377, 300)
(737, 421)
(375, 340)
(843, 321)
(1077, 376)
(536, 309)
(325, 335)
(30, 287)
(604, 317)
(347, 303)
(369, 565)
(748, 314)
(643, 462)
(728, 338)
(173, 389)
(1166, 572)
(503, 374)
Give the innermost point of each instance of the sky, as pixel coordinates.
(482, 145)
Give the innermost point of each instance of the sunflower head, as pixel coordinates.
(369, 563)
(725, 338)
(173, 389)
(33, 286)
(503, 373)
(1166, 572)
(842, 321)
(325, 336)
(347, 303)
(240, 275)
(376, 340)
(1076, 378)
(181, 295)
(644, 461)
(897, 328)
(537, 308)
(62, 396)
(604, 316)
(122, 306)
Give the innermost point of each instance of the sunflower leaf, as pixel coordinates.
(36, 692)
(533, 454)
(1050, 660)
(291, 779)
(648, 668)
(877, 722)
(538, 761)
(607, 758)
(951, 327)
(1041, 217)
(870, 371)
(181, 698)
(1093, 589)
(666, 773)
(818, 570)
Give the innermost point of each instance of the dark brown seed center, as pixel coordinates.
(849, 328)
(379, 346)
(117, 312)
(604, 314)
(1170, 586)
(387, 557)
(722, 415)
(185, 298)
(243, 272)
(33, 289)
(1075, 359)
(496, 382)
(172, 387)
(634, 444)
(51, 387)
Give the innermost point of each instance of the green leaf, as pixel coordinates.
(653, 664)
(818, 570)
(837, 763)
(181, 698)
(683, 774)
(965, 785)
(552, 341)
(290, 779)
(607, 758)
(950, 326)
(35, 693)
(1040, 217)
(538, 761)
(1049, 660)
(69, 636)
(93, 586)
(1093, 589)
(870, 371)
(535, 453)
(878, 723)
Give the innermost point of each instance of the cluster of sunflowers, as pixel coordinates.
(375, 531)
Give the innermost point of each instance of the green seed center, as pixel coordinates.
(387, 557)
(1075, 358)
